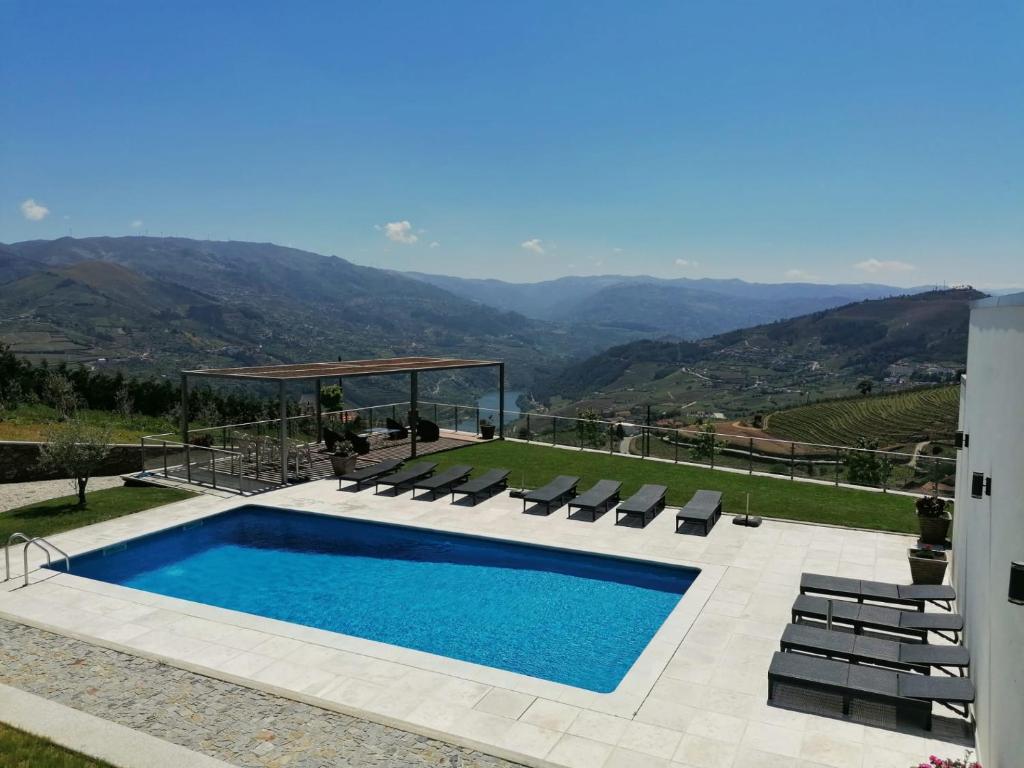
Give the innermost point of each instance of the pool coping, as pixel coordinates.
(530, 746)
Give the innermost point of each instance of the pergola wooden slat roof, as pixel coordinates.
(308, 371)
(282, 374)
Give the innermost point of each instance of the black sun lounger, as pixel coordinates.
(913, 624)
(487, 484)
(646, 502)
(858, 649)
(704, 509)
(909, 595)
(407, 475)
(443, 481)
(555, 492)
(597, 498)
(370, 473)
(912, 695)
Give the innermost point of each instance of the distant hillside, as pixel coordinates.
(775, 365)
(160, 304)
(641, 306)
(891, 419)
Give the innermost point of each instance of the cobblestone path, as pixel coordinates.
(229, 722)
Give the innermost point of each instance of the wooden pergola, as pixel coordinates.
(282, 374)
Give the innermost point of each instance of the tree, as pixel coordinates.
(865, 466)
(60, 393)
(705, 446)
(124, 402)
(331, 398)
(76, 450)
(588, 428)
(864, 386)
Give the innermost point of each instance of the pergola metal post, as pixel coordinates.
(184, 408)
(283, 431)
(501, 401)
(414, 417)
(319, 417)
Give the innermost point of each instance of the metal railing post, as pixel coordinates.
(611, 440)
(188, 463)
(750, 457)
(711, 459)
(456, 418)
(675, 449)
(792, 460)
(165, 458)
(213, 467)
(837, 467)
(528, 436)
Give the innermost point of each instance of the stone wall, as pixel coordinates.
(19, 461)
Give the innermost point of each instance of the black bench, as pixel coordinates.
(489, 483)
(645, 503)
(406, 476)
(555, 492)
(370, 473)
(859, 649)
(911, 695)
(443, 481)
(705, 508)
(599, 497)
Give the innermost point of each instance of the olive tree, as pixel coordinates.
(75, 450)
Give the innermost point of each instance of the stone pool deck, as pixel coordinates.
(695, 698)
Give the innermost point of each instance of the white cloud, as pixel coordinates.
(435, 244)
(534, 245)
(874, 266)
(686, 263)
(34, 211)
(399, 232)
(137, 224)
(616, 250)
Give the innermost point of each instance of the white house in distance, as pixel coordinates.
(988, 535)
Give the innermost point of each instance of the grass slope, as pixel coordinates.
(23, 750)
(30, 422)
(901, 417)
(45, 518)
(533, 465)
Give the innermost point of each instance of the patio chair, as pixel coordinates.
(910, 695)
(396, 431)
(705, 508)
(555, 492)
(913, 624)
(599, 496)
(406, 476)
(910, 595)
(427, 431)
(858, 649)
(444, 481)
(370, 473)
(360, 444)
(646, 502)
(489, 483)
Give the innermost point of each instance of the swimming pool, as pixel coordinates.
(569, 617)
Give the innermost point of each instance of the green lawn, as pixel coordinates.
(533, 465)
(30, 422)
(23, 750)
(48, 517)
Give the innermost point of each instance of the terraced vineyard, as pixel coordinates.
(891, 419)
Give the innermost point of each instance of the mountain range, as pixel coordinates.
(638, 306)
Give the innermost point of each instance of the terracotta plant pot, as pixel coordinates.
(934, 530)
(927, 566)
(342, 465)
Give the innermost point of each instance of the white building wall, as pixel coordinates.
(988, 532)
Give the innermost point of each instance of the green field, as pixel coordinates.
(45, 518)
(891, 419)
(533, 465)
(30, 422)
(23, 750)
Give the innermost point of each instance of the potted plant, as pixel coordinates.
(927, 566)
(343, 458)
(949, 762)
(487, 429)
(933, 519)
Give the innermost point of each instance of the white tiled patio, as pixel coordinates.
(696, 698)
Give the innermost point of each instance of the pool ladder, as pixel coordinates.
(37, 541)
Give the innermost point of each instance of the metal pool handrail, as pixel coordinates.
(38, 541)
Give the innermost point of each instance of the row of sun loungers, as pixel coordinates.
(878, 658)
(705, 507)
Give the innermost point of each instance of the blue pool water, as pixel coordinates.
(572, 618)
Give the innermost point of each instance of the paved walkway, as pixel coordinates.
(14, 495)
(235, 724)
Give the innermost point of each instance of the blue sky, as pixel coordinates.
(836, 141)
